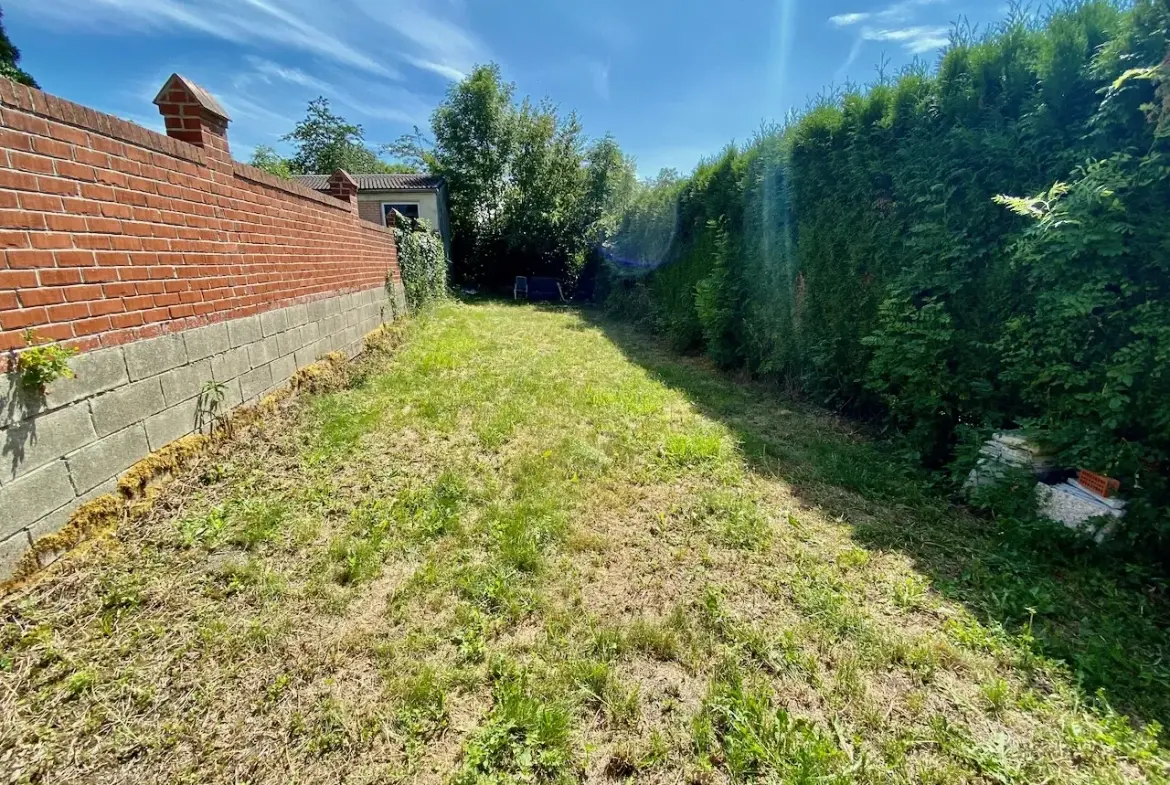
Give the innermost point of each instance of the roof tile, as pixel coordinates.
(376, 182)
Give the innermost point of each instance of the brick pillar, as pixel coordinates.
(342, 186)
(193, 115)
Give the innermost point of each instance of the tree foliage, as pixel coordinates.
(882, 251)
(528, 193)
(10, 59)
(266, 158)
(325, 142)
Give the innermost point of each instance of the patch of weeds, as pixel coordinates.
(824, 600)
(121, 593)
(853, 557)
(357, 555)
(603, 691)
(470, 636)
(206, 530)
(238, 575)
(605, 642)
(256, 521)
(740, 729)
(422, 710)
(496, 589)
(997, 694)
(735, 520)
(357, 560)
(658, 640)
(329, 730)
(80, 683)
(278, 687)
(435, 512)
(632, 758)
(910, 593)
(525, 739)
(693, 448)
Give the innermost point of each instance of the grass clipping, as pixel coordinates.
(137, 487)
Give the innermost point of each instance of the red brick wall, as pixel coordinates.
(110, 233)
(370, 211)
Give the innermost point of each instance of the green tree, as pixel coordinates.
(266, 158)
(10, 59)
(529, 195)
(326, 142)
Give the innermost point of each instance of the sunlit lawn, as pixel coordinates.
(531, 545)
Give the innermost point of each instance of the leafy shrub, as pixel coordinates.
(422, 262)
(40, 365)
(863, 254)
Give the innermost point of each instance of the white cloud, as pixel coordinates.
(844, 20)
(434, 43)
(916, 40)
(897, 12)
(388, 103)
(300, 25)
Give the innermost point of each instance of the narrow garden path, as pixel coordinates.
(533, 546)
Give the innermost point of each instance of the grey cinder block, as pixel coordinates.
(184, 383)
(263, 352)
(244, 331)
(94, 372)
(16, 402)
(97, 462)
(203, 342)
(33, 443)
(173, 423)
(130, 404)
(255, 382)
(282, 369)
(154, 356)
(33, 496)
(297, 315)
(273, 322)
(231, 364)
(291, 340)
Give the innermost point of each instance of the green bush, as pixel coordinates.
(422, 262)
(864, 253)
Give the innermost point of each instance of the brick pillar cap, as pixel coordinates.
(342, 177)
(205, 99)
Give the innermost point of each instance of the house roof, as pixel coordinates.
(376, 182)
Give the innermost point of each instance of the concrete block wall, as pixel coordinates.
(70, 445)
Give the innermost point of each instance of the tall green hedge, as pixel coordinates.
(861, 251)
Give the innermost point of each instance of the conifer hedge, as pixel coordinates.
(980, 247)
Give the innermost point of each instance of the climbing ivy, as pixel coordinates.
(422, 262)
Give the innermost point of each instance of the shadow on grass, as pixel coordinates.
(1106, 620)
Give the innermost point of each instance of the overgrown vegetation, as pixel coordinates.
(534, 545)
(529, 194)
(858, 253)
(422, 262)
(43, 362)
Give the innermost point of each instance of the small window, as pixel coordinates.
(407, 210)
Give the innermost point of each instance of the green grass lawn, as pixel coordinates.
(532, 546)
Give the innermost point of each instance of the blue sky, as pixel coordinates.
(673, 80)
